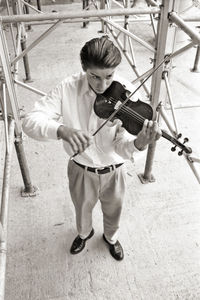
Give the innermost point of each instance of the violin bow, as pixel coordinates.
(167, 57)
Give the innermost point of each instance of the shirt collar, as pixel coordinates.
(85, 86)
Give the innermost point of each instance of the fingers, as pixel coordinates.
(158, 132)
(145, 126)
(152, 130)
(79, 141)
(155, 131)
(116, 122)
(109, 124)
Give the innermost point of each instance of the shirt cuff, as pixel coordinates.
(52, 129)
(132, 148)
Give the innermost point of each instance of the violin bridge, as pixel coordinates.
(117, 105)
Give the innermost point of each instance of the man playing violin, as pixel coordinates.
(96, 170)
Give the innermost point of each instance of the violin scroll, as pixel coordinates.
(183, 147)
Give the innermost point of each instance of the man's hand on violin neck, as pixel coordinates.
(150, 133)
(77, 139)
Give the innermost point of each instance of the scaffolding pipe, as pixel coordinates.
(4, 209)
(9, 82)
(34, 43)
(26, 11)
(141, 77)
(193, 34)
(30, 88)
(2, 235)
(125, 37)
(25, 60)
(190, 18)
(166, 79)
(156, 85)
(165, 118)
(31, 6)
(148, 176)
(11, 26)
(153, 3)
(85, 7)
(190, 161)
(5, 113)
(133, 36)
(131, 20)
(180, 106)
(74, 15)
(14, 7)
(18, 39)
(181, 50)
(29, 188)
(117, 3)
(39, 5)
(196, 67)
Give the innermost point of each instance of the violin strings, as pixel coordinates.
(130, 112)
(136, 116)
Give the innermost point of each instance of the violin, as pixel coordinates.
(132, 114)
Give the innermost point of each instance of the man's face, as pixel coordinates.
(99, 79)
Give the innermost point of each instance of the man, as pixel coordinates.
(96, 171)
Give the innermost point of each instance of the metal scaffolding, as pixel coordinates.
(117, 22)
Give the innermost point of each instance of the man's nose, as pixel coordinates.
(103, 84)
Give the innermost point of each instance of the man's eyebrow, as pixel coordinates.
(94, 74)
(100, 76)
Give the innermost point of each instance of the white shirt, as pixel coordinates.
(73, 100)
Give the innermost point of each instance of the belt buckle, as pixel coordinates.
(99, 169)
(111, 168)
(96, 170)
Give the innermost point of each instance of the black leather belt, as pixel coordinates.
(99, 170)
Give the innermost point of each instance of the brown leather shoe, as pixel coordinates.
(116, 249)
(79, 244)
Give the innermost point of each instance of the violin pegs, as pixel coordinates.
(173, 149)
(180, 153)
(179, 135)
(185, 140)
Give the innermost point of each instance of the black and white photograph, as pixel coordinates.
(99, 150)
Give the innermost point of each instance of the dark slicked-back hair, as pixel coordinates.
(101, 53)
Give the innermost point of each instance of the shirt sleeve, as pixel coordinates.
(43, 121)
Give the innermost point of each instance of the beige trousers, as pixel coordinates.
(86, 188)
